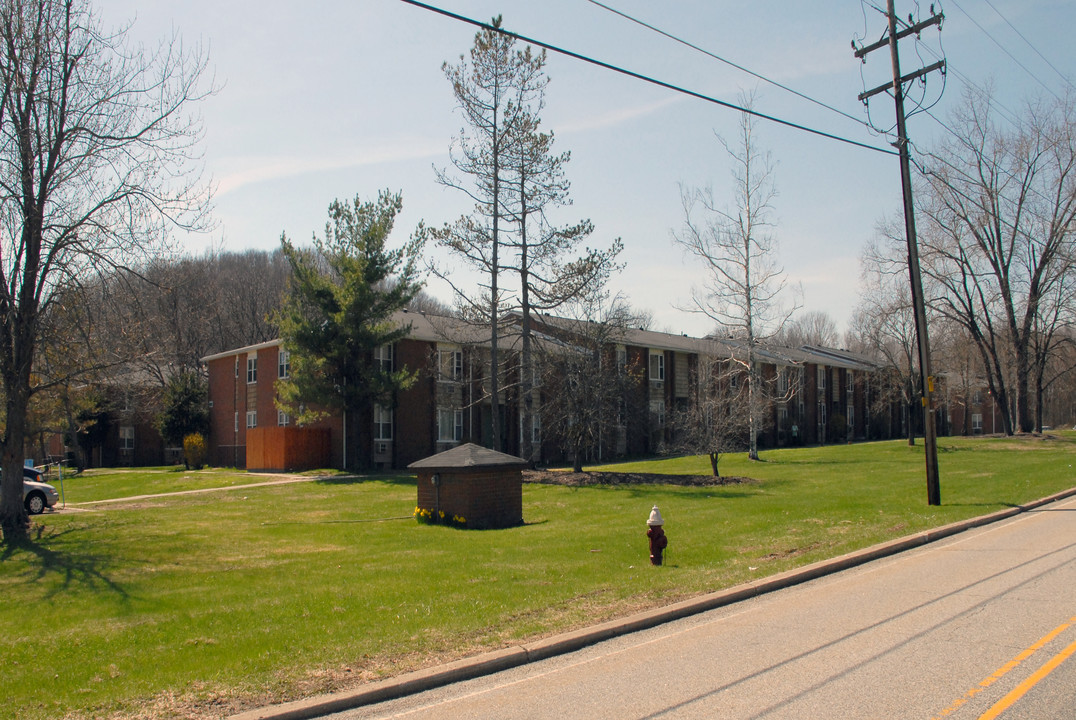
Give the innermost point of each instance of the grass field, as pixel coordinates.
(199, 605)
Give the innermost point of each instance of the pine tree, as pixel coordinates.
(339, 310)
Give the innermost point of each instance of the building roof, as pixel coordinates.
(428, 327)
(468, 455)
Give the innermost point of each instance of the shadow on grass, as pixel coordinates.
(388, 479)
(75, 566)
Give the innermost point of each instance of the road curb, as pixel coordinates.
(506, 658)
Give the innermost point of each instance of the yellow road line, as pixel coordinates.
(1019, 691)
(1004, 669)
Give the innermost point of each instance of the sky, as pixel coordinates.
(337, 99)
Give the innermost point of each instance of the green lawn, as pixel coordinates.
(108, 484)
(199, 605)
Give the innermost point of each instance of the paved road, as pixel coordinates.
(983, 622)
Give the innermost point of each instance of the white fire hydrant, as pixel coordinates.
(656, 533)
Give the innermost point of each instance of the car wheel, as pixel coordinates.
(35, 503)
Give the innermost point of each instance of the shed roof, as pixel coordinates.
(468, 455)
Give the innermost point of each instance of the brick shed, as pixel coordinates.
(483, 486)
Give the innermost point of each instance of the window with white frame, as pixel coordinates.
(252, 368)
(977, 422)
(283, 364)
(657, 366)
(252, 418)
(849, 385)
(851, 418)
(449, 425)
(782, 381)
(282, 418)
(383, 358)
(450, 365)
(621, 359)
(382, 423)
(536, 429)
(126, 438)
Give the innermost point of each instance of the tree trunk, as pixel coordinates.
(714, 458)
(14, 522)
(1023, 382)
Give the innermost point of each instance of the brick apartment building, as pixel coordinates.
(449, 403)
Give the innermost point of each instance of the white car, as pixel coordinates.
(37, 495)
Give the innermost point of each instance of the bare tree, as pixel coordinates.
(715, 422)
(97, 148)
(546, 257)
(737, 251)
(1000, 210)
(884, 321)
(494, 92)
(585, 388)
(814, 327)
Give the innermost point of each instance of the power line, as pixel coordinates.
(645, 78)
(1004, 49)
(741, 68)
(1029, 44)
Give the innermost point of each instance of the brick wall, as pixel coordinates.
(485, 497)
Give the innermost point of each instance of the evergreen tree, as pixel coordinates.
(186, 408)
(339, 311)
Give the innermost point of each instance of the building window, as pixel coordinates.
(283, 365)
(821, 381)
(450, 364)
(977, 397)
(127, 438)
(252, 368)
(449, 425)
(657, 366)
(657, 410)
(977, 423)
(851, 418)
(536, 429)
(282, 418)
(782, 381)
(383, 356)
(252, 418)
(382, 423)
(849, 386)
(621, 360)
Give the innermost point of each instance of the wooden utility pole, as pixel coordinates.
(930, 433)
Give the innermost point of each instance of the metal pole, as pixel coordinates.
(930, 439)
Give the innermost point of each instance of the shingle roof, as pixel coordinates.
(468, 455)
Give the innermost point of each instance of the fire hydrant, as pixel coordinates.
(658, 541)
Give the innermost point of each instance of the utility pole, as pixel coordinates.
(930, 434)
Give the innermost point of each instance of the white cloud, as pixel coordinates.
(238, 172)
